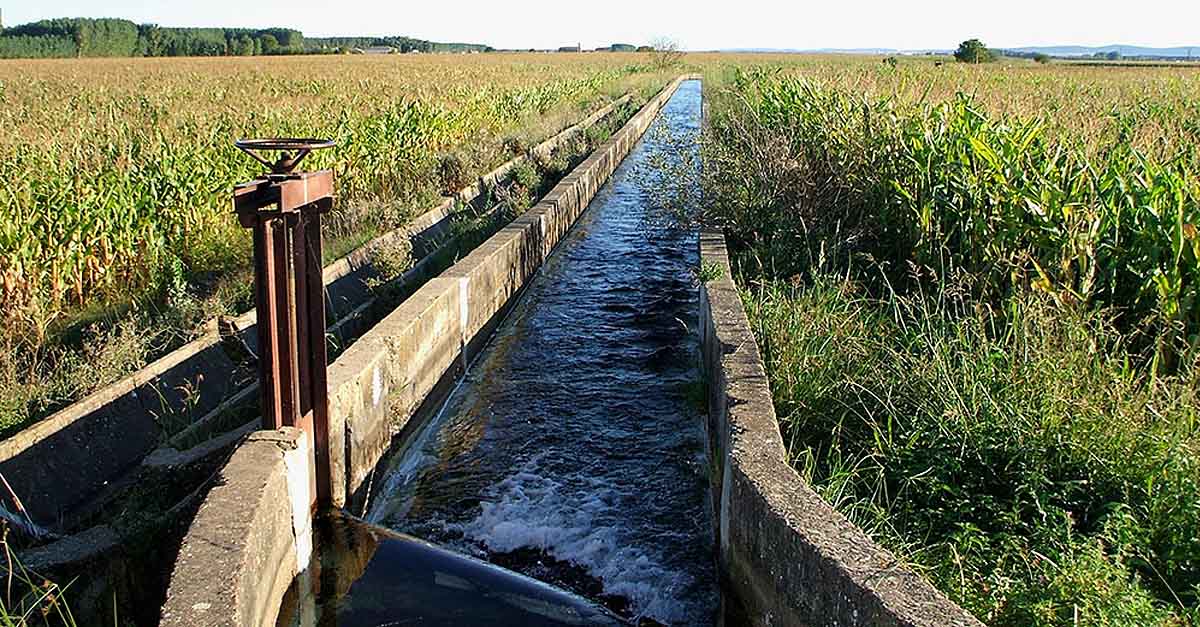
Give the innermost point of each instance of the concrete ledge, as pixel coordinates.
(785, 555)
(248, 541)
(407, 361)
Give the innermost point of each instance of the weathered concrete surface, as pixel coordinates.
(68, 459)
(406, 361)
(245, 545)
(785, 555)
(387, 373)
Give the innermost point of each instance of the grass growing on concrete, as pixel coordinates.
(27, 598)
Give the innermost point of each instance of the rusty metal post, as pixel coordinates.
(284, 209)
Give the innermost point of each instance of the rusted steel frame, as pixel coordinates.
(284, 323)
(318, 359)
(266, 304)
(285, 214)
(283, 195)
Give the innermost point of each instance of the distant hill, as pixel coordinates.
(870, 51)
(1124, 51)
(1179, 52)
(105, 37)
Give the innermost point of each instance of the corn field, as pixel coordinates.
(1078, 184)
(116, 173)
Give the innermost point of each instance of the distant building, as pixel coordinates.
(575, 48)
(622, 48)
(375, 50)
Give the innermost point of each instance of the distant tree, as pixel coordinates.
(243, 46)
(150, 42)
(666, 53)
(86, 37)
(269, 44)
(974, 51)
(1041, 58)
(36, 47)
(1113, 56)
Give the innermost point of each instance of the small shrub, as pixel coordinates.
(666, 53)
(393, 258)
(452, 174)
(514, 146)
(526, 175)
(110, 354)
(709, 272)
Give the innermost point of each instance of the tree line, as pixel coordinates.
(106, 37)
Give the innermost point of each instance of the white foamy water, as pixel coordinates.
(580, 524)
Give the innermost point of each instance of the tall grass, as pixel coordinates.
(1013, 455)
(977, 305)
(28, 598)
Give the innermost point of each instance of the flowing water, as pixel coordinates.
(574, 449)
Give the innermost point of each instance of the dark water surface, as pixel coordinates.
(574, 450)
(372, 577)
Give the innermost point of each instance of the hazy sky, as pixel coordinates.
(699, 25)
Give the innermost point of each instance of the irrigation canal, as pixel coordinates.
(572, 452)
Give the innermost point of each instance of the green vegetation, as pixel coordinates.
(28, 598)
(974, 51)
(82, 37)
(117, 240)
(400, 44)
(1002, 199)
(980, 321)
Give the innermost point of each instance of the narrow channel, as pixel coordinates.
(573, 451)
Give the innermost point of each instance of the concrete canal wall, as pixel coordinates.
(249, 538)
(786, 557)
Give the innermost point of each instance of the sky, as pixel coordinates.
(696, 25)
